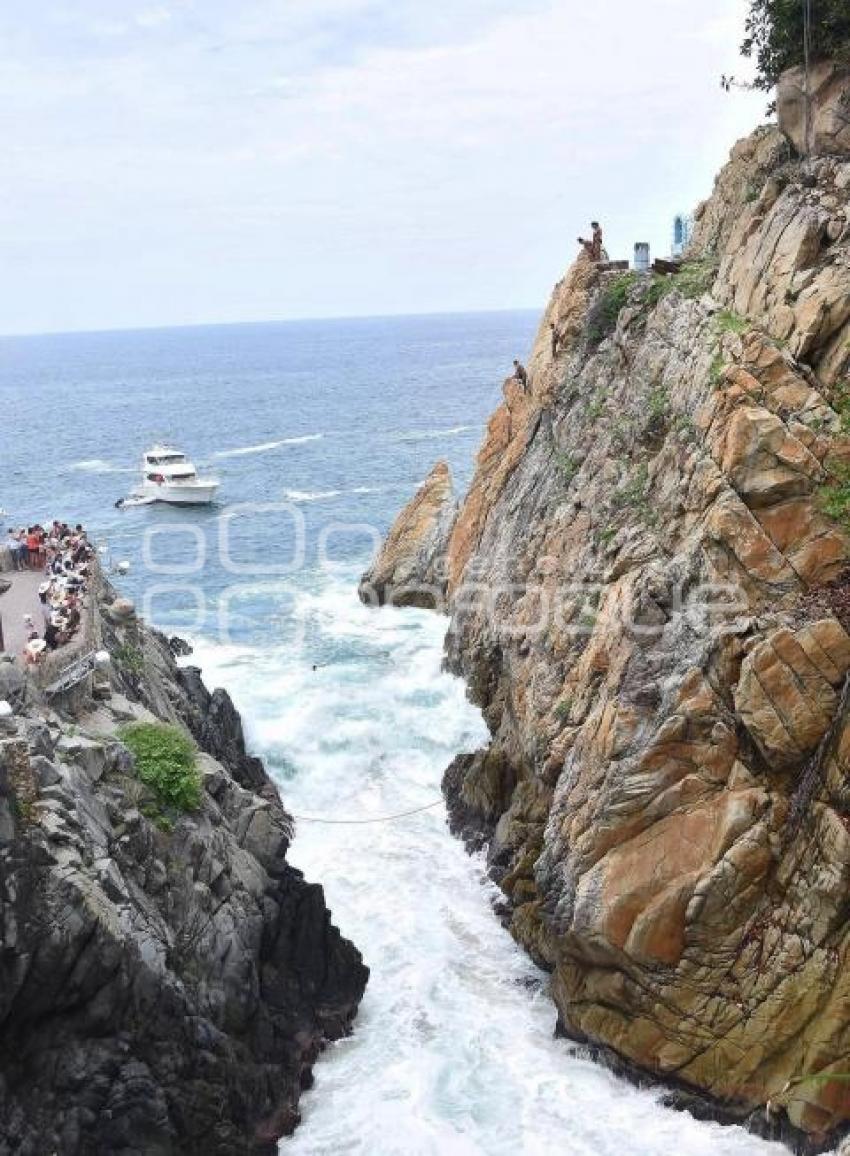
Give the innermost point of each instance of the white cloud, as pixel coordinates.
(339, 156)
(153, 17)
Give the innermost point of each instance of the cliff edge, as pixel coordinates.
(648, 599)
(166, 979)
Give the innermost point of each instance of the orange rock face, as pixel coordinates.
(667, 791)
(410, 567)
(512, 423)
(829, 116)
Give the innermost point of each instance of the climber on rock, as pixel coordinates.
(555, 338)
(520, 374)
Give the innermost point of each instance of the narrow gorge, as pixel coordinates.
(647, 589)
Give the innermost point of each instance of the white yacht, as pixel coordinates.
(169, 476)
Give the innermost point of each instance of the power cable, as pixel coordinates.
(807, 53)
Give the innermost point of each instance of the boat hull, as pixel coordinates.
(201, 495)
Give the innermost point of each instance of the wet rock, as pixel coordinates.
(217, 725)
(179, 647)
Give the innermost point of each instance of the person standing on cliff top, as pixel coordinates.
(520, 374)
(593, 248)
(596, 243)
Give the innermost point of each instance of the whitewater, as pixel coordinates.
(453, 1049)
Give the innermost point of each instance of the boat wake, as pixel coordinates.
(311, 495)
(326, 495)
(99, 466)
(267, 447)
(427, 435)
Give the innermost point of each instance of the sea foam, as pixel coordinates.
(100, 466)
(266, 447)
(453, 1049)
(427, 435)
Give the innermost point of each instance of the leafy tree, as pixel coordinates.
(774, 35)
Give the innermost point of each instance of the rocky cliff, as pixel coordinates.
(410, 568)
(166, 982)
(648, 595)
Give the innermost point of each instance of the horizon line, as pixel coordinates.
(265, 321)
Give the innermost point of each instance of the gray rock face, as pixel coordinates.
(162, 991)
(13, 685)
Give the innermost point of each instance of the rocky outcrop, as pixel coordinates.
(819, 124)
(640, 584)
(784, 251)
(166, 982)
(410, 568)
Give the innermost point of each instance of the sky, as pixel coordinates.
(200, 161)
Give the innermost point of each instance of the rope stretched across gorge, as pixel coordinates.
(364, 822)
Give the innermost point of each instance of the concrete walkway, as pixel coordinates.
(21, 599)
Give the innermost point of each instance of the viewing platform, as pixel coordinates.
(19, 599)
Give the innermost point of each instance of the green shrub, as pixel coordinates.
(659, 287)
(24, 810)
(686, 426)
(659, 403)
(841, 405)
(715, 373)
(158, 817)
(596, 407)
(130, 658)
(657, 414)
(728, 322)
(165, 762)
(695, 278)
(606, 309)
(634, 496)
(562, 710)
(621, 434)
(568, 465)
(834, 497)
(635, 491)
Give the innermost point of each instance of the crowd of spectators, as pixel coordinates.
(65, 555)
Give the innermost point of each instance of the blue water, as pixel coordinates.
(378, 399)
(319, 432)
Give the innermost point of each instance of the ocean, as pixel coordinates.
(320, 431)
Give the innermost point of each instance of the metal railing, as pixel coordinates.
(73, 675)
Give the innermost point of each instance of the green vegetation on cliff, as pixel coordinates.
(165, 762)
(774, 35)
